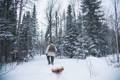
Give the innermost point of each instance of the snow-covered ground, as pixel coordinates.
(89, 69)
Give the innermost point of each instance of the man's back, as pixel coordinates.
(51, 48)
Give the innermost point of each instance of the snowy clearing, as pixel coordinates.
(90, 69)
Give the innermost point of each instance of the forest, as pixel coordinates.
(80, 30)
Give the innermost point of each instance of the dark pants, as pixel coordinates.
(50, 59)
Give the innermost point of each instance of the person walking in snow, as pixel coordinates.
(50, 53)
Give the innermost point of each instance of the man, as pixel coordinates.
(50, 53)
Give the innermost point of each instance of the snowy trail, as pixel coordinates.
(38, 69)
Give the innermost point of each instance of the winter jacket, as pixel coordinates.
(51, 50)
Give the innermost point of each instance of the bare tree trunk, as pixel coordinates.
(18, 29)
(50, 22)
(49, 14)
(20, 13)
(56, 17)
(116, 28)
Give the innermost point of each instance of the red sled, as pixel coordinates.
(57, 70)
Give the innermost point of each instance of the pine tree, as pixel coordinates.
(80, 36)
(83, 41)
(94, 28)
(7, 29)
(26, 36)
(70, 37)
(34, 30)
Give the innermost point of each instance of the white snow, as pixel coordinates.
(74, 69)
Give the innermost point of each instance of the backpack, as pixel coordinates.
(51, 48)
